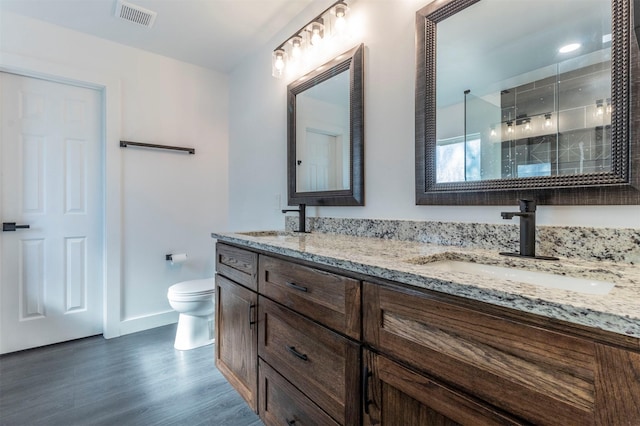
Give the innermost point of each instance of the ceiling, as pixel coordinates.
(216, 34)
(496, 43)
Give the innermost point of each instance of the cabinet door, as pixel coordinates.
(395, 395)
(282, 404)
(237, 337)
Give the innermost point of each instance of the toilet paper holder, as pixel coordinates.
(181, 257)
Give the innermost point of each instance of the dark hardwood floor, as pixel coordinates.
(137, 379)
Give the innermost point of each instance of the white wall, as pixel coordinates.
(258, 135)
(170, 201)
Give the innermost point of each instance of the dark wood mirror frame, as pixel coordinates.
(620, 186)
(354, 196)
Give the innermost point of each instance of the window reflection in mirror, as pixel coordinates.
(514, 99)
(322, 136)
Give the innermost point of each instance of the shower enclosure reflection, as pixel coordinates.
(504, 121)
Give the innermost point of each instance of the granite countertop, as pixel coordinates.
(409, 262)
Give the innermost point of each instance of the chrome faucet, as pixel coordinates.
(527, 215)
(302, 217)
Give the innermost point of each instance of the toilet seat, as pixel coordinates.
(203, 287)
(191, 291)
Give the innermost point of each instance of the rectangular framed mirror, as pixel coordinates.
(325, 132)
(523, 99)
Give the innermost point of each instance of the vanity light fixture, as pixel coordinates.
(608, 109)
(527, 125)
(547, 120)
(493, 131)
(296, 46)
(317, 31)
(599, 108)
(307, 40)
(340, 10)
(278, 61)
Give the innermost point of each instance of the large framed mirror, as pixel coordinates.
(325, 132)
(526, 99)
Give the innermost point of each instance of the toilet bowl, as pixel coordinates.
(194, 301)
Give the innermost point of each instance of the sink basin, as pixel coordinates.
(542, 279)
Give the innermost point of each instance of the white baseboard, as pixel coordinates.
(133, 325)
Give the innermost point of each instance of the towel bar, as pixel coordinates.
(124, 144)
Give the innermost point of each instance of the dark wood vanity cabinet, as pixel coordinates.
(307, 346)
(494, 368)
(236, 352)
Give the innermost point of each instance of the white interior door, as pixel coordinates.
(52, 272)
(319, 166)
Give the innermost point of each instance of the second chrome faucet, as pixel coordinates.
(527, 215)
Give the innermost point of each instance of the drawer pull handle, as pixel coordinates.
(298, 354)
(251, 321)
(296, 287)
(366, 374)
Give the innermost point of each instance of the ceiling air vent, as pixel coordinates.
(136, 14)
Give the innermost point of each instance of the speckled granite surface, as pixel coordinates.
(616, 245)
(408, 262)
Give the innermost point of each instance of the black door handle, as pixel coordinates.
(11, 226)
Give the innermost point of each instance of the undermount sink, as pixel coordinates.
(542, 279)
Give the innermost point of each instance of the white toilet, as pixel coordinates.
(194, 301)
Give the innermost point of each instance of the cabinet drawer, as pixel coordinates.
(238, 265)
(539, 375)
(396, 394)
(281, 403)
(330, 299)
(316, 360)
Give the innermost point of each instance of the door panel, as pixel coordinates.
(51, 273)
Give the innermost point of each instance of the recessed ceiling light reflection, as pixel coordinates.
(569, 48)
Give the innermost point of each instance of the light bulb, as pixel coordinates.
(316, 38)
(279, 62)
(341, 11)
(341, 24)
(316, 32)
(599, 108)
(547, 120)
(527, 126)
(509, 127)
(296, 44)
(493, 131)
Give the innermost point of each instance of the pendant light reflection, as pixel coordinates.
(547, 120)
